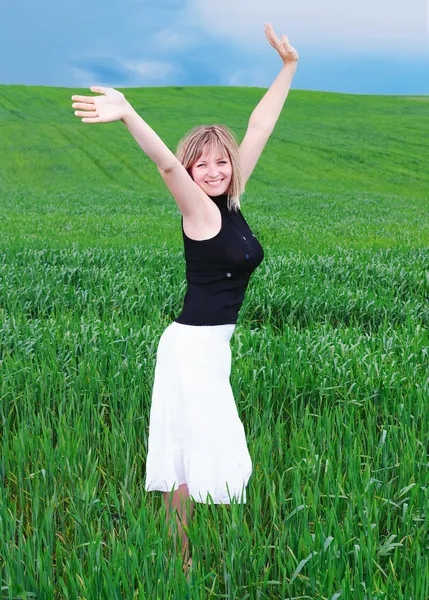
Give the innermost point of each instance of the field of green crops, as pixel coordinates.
(330, 355)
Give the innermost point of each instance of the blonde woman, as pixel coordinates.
(196, 439)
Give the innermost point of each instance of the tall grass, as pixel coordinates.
(330, 366)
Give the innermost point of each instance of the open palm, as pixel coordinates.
(287, 52)
(111, 106)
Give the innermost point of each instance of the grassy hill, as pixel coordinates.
(329, 357)
(339, 169)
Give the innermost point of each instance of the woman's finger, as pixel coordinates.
(86, 106)
(81, 113)
(97, 120)
(100, 90)
(89, 99)
(272, 33)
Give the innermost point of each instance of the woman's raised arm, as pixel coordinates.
(113, 106)
(269, 108)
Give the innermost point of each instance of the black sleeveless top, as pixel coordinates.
(218, 270)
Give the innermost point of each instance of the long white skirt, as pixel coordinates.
(195, 434)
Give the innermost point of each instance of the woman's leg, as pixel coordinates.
(183, 507)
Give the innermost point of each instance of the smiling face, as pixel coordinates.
(213, 166)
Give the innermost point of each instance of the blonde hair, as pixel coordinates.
(191, 147)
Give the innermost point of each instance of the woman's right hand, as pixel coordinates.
(111, 106)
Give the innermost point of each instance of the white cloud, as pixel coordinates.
(112, 72)
(152, 69)
(166, 40)
(246, 78)
(363, 25)
(82, 77)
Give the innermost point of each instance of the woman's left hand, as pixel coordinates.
(287, 52)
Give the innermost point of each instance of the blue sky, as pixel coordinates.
(365, 47)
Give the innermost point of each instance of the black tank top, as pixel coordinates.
(218, 270)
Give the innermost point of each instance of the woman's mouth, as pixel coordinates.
(214, 183)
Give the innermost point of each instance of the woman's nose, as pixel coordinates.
(212, 171)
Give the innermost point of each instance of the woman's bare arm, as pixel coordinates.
(265, 115)
(149, 141)
(113, 106)
(269, 108)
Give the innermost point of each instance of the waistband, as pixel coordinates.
(201, 332)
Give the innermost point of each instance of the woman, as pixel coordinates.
(196, 439)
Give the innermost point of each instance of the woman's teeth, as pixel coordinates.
(214, 183)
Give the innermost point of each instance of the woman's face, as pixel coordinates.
(215, 167)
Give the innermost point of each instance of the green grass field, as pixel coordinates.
(330, 355)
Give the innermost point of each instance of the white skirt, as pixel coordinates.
(195, 434)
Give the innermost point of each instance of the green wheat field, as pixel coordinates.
(330, 366)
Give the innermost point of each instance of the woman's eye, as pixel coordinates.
(222, 161)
